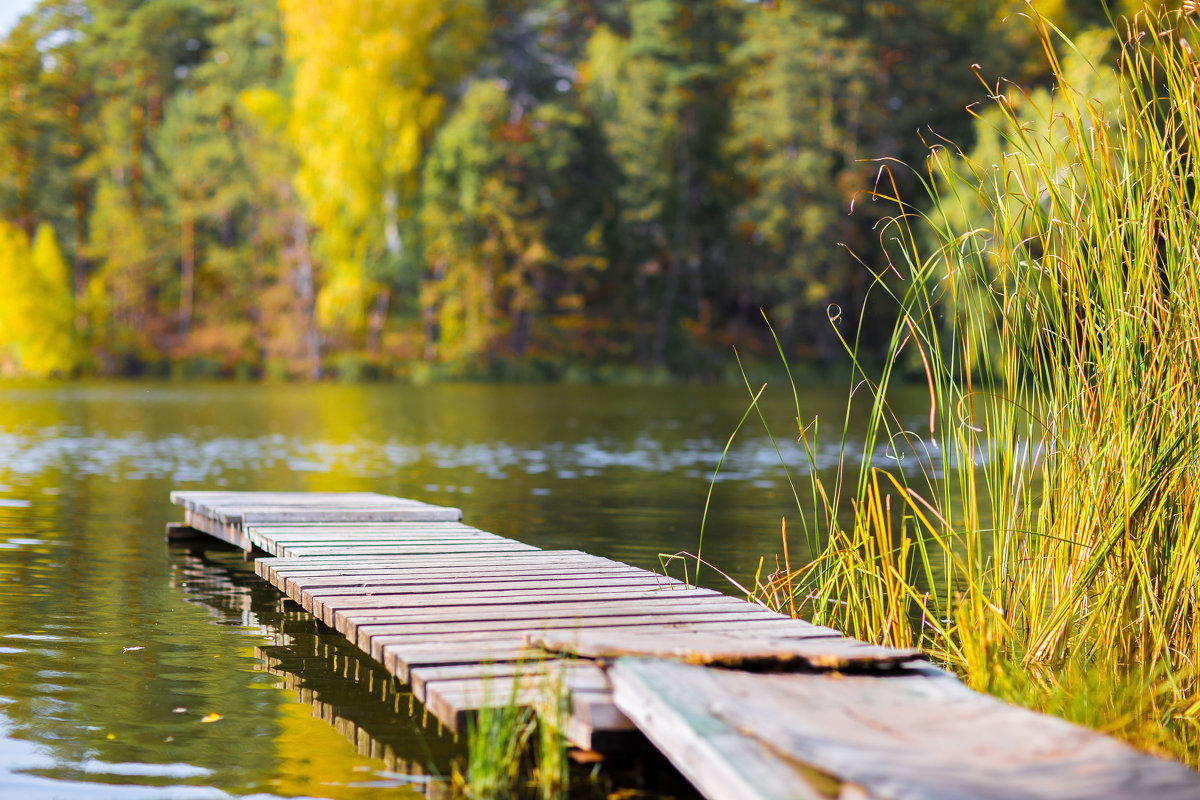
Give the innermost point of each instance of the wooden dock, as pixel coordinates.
(746, 702)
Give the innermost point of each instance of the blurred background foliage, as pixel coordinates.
(429, 189)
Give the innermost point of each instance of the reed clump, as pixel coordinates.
(516, 750)
(1040, 531)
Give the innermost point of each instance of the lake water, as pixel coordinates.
(118, 652)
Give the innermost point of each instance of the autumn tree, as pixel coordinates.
(36, 306)
(796, 109)
(370, 83)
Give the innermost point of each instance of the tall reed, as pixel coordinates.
(1041, 533)
(517, 749)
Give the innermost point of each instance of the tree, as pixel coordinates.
(36, 306)
(369, 87)
(503, 236)
(656, 92)
(795, 114)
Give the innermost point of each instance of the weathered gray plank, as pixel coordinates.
(559, 603)
(451, 595)
(356, 560)
(400, 662)
(294, 568)
(913, 737)
(416, 581)
(248, 508)
(544, 586)
(405, 568)
(385, 549)
(725, 649)
(431, 595)
(424, 675)
(502, 611)
(375, 638)
(518, 632)
(270, 528)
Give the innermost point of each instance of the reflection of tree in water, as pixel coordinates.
(345, 688)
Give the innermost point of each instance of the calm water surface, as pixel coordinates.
(118, 653)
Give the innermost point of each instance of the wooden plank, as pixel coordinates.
(405, 569)
(437, 595)
(271, 568)
(442, 530)
(401, 661)
(465, 564)
(385, 549)
(399, 538)
(518, 631)
(293, 581)
(247, 508)
(177, 532)
(549, 611)
(549, 602)
(548, 586)
(355, 561)
(368, 536)
(417, 580)
(374, 639)
(595, 723)
(726, 649)
(424, 675)
(904, 736)
(411, 583)
(271, 528)
(592, 713)
(232, 534)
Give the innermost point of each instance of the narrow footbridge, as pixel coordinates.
(747, 703)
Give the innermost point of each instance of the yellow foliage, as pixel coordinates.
(365, 97)
(36, 308)
(340, 302)
(265, 106)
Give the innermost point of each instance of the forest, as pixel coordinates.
(431, 189)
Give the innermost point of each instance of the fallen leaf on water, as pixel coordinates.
(110, 736)
(211, 717)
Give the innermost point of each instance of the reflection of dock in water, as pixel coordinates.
(344, 688)
(746, 703)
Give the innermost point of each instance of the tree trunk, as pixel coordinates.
(305, 288)
(376, 320)
(641, 301)
(187, 278)
(80, 265)
(663, 323)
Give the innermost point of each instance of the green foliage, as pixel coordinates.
(531, 186)
(791, 144)
(493, 250)
(516, 750)
(1040, 533)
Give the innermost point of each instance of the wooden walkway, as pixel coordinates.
(470, 620)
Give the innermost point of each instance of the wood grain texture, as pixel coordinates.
(726, 649)
(910, 736)
(472, 619)
(249, 508)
